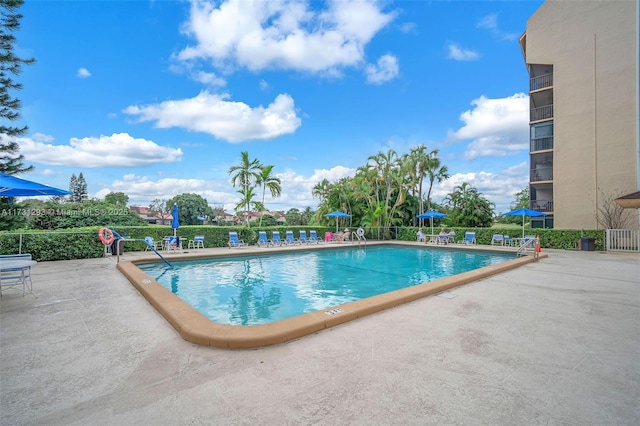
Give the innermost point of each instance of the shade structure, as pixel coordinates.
(524, 212)
(11, 186)
(175, 223)
(431, 214)
(337, 215)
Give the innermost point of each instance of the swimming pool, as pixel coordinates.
(196, 328)
(264, 288)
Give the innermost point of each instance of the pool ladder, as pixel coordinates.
(361, 238)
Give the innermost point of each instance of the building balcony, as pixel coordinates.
(545, 206)
(540, 82)
(541, 144)
(542, 113)
(541, 174)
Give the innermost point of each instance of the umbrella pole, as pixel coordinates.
(522, 226)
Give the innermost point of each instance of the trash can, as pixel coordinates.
(587, 244)
(117, 249)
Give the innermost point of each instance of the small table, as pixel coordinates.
(15, 271)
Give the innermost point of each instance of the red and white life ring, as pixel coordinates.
(106, 236)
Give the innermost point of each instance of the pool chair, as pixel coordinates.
(151, 244)
(313, 237)
(275, 239)
(469, 238)
(172, 243)
(290, 239)
(234, 241)
(197, 242)
(263, 241)
(303, 238)
(497, 239)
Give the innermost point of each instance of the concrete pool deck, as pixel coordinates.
(556, 342)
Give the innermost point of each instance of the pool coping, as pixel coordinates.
(194, 327)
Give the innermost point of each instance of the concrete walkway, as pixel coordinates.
(556, 342)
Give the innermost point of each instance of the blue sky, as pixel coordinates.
(158, 98)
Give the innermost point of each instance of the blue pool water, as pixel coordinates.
(259, 289)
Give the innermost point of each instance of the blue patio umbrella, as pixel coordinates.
(175, 223)
(431, 214)
(11, 186)
(337, 215)
(524, 212)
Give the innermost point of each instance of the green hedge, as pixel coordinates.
(549, 238)
(85, 244)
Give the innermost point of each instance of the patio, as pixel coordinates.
(552, 342)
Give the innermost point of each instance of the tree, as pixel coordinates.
(245, 175)
(78, 189)
(191, 207)
(436, 172)
(160, 208)
(11, 161)
(117, 199)
(293, 217)
(610, 214)
(268, 180)
(468, 207)
(520, 200)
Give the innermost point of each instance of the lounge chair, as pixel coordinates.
(303, 238)
(172, 243)
(234, 241)
(443, 238)
(263, 241)
(151, 244)
(197, 242)
(275, 239)
(290, 239)
(469, 238)
(507, 241)
(313, 237)
(497, 239)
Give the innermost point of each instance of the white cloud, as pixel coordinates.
(497, 127)
(117, 150)
(498, 188)
(282, 34)
(224, 119)
(296, 189)
(83, 73)
(408, 27)
(208, 79)
(490, 22)
(457, 53)
(142, 191)
(384, 70)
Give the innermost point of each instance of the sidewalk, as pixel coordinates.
(556, 342)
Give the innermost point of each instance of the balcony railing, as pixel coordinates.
(544, 206)
(541, 174)
(542, 113)
(539, 144)
(540, 82)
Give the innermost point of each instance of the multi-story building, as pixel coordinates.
(582, 59)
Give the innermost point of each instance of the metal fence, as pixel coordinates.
(623, 240)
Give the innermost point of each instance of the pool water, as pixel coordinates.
(260, 289)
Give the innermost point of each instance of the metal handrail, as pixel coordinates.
(528, 243)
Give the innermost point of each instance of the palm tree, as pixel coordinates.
(268, 180)
(435, 171)
(246, 174)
